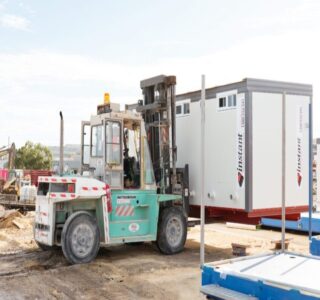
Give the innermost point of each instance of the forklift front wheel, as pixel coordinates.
(80, 238)
(172, 230)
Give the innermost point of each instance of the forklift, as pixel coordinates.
(125, 194)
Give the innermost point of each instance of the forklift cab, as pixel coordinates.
(114, 149)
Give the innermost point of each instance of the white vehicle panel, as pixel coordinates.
(44, 215)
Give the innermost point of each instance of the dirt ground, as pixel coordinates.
(121, 272)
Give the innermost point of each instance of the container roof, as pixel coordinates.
(251, 85)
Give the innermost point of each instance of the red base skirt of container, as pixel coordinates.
(241, 216)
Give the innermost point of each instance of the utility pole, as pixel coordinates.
(283, 210)
(202, 209)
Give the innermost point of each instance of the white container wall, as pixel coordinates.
(244, 144)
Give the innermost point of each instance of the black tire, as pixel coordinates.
(80, 238)
(172, 231)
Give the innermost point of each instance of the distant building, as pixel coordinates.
(71, 158)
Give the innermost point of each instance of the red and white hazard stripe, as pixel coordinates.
(57, 179)
(93, 188)
(62, 195)
(105, 201)
(124, 210)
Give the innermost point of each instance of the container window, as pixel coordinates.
(186, 108)
(96, 141)
(222, 102)
(232, 101)
(178, 109)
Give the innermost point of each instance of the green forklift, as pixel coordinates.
(129, 190)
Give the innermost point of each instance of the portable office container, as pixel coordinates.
(243, 147)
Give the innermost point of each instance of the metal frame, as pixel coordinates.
(202, 207)
(248, 151)
(310, 168)
(254, 285)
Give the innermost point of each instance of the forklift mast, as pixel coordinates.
(158, 109)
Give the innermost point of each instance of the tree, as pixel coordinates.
(34, 157)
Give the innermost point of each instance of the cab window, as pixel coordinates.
(96, 141)
(113, 146)
(85, 144)
(131, 155)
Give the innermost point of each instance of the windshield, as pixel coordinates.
(113, 146)
(97, 142)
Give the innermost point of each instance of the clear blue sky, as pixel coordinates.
(63, 55)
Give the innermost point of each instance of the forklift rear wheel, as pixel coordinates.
(172, 230)
(80, 238)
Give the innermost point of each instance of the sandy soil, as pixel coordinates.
(121, 272)
(13, 239)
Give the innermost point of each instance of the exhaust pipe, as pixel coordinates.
(61, 144)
